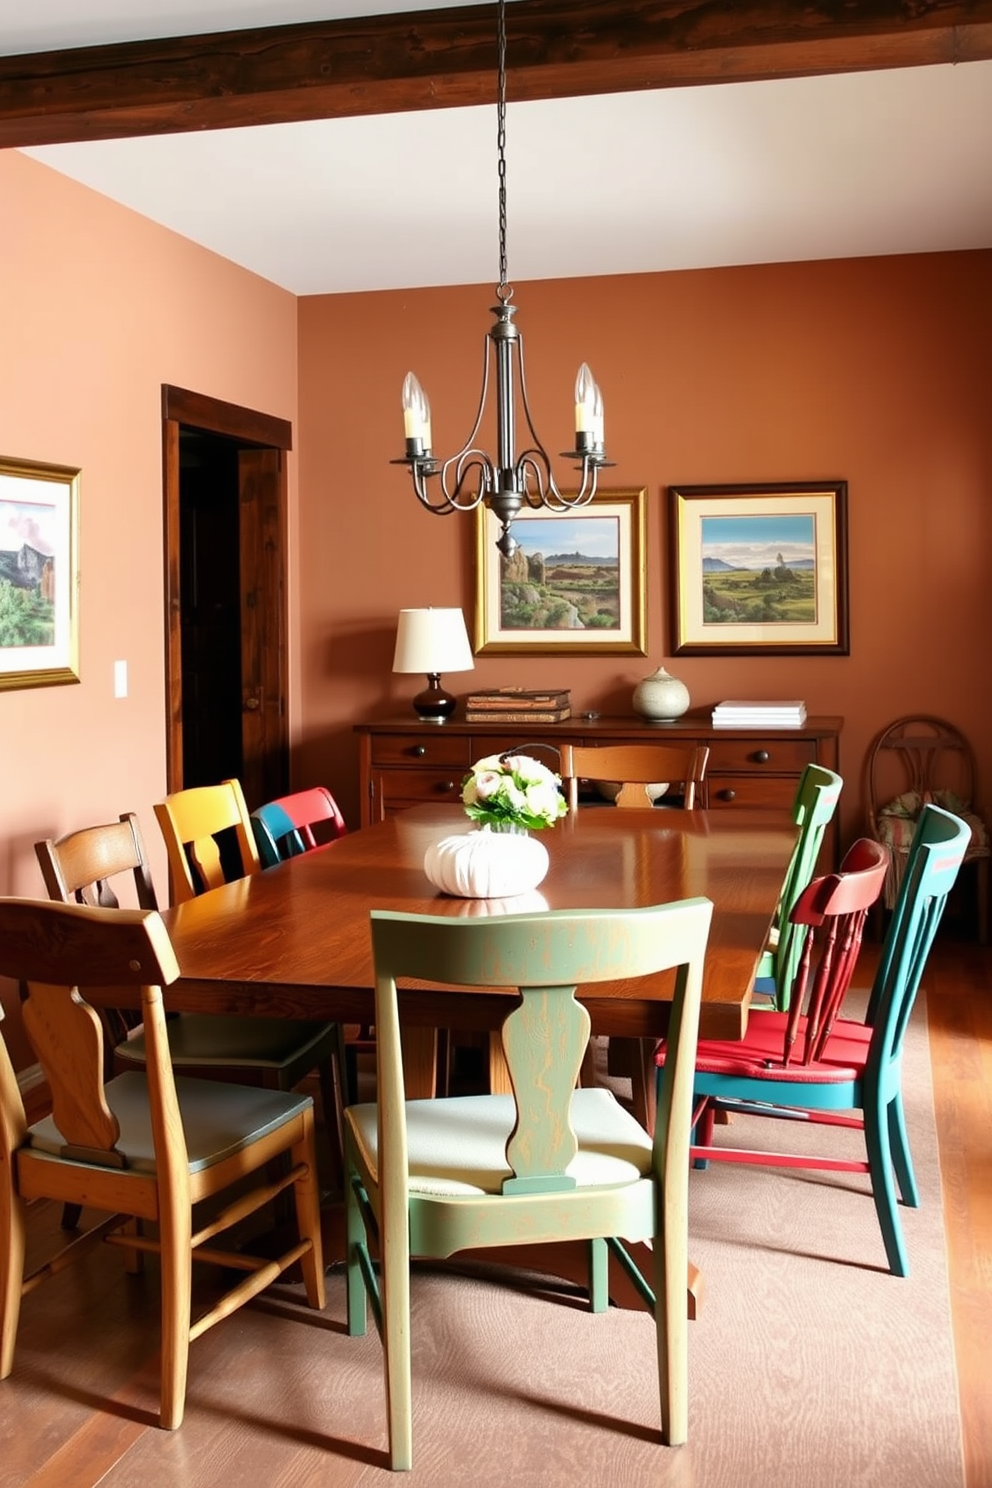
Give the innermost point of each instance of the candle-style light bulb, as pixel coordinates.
(585, 401)
(416, 412)
(598, 421)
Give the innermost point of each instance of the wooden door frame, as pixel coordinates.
(197, 410)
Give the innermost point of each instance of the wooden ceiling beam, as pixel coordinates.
(446, 58)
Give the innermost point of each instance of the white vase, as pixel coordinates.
(660, 697)
(486, 864)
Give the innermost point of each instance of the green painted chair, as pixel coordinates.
(548, 1163)
(812, 809)
(846, 1072)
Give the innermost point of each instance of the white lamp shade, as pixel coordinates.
(432, 641)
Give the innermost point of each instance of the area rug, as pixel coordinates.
(810, 1365)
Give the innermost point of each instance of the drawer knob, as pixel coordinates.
(445, 787)
(761, 756)
(419, 750)
(727, 795)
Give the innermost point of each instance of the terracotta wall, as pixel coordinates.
(98, 308)
(873, 370)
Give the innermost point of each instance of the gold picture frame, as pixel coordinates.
(39, 574)
(591, 603)
(758, 570)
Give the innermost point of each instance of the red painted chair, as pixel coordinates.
(284, 828)
(830, 1070)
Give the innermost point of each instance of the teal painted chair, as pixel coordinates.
(284, 828)
(547, 1163)
(836, 1071)
(813, 808)
(142, 1148)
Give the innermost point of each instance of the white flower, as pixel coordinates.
(513, 791)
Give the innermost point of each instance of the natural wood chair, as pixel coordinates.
(913, 761)
(548, 1162)
(817, 1066)
(274, 1053)
(641, 774)
(633, 768)
(141, 1148)
(284, 828)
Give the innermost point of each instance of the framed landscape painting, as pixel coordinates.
(39, 515)
(575, 585)
(759, 570)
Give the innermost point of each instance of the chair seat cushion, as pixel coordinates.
(758, 1055)
(218, 1119)
(230, 1042)
(457, 1145)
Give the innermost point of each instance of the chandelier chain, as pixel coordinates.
(504, 291)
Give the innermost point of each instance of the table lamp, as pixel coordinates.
(432, 641)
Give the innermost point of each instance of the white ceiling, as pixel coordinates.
(859, 164)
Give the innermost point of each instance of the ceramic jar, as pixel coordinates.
(660, 697)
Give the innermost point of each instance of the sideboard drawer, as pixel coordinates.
(771, 754)
(416, 786)
(750, 791)
(423, 749)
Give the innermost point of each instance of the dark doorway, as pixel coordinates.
(210, 607)
(225, 552)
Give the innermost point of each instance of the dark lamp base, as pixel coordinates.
(434, 705)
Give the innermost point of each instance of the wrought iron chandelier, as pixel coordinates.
(511, 481)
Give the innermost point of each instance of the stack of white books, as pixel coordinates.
(759, 715)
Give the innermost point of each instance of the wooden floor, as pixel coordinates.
(959, 1000)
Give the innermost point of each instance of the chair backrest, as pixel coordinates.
(284, 828)
(191, 821)
(922, 756)
(935, 857)
(78, 867)
(60, 950)
(634, 767)
(544, 957)
(837, 905)
(813, 807)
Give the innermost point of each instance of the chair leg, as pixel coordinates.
(11, 1268)
(902, 1159)
(599, 1276)
(883, 1184)
(71, 1214)
(306, 1193)
(671, 1319)
(332, 1076)
(175, 1235)
(396, 1341)
(356, 1239)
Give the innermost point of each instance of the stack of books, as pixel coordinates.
(759, 715)
(517, 705)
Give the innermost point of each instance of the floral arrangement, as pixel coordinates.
(513, 792)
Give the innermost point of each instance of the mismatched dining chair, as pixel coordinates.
(141, 1148)
(208, 836)
(636, 775)
(284, 828)
(274, 1053)
(548, 1162)
(820, 1067)
(640, 774)
(813, 808)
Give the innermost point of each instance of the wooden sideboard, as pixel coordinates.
(404, 762)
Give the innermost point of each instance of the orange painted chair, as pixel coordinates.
(820, 1067)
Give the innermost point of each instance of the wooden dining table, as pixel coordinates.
(293, 941)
